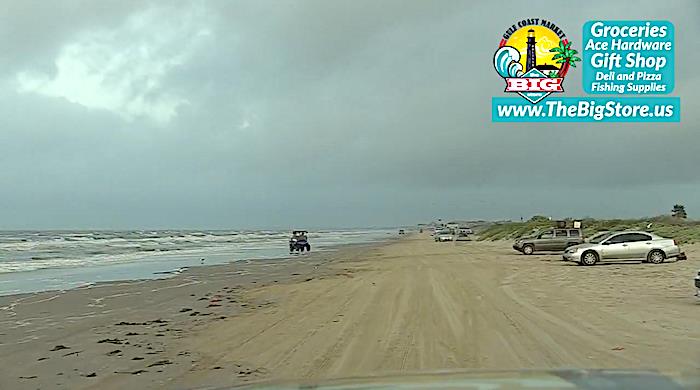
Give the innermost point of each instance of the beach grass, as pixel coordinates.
(684, 231)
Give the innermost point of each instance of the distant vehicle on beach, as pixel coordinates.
(462, 234)
(551, 240)
(628, 245)
(299, 241)
(437, 228)
(465, 231)
(444, 235)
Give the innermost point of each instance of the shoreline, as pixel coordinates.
(200, 270)
(172, 272)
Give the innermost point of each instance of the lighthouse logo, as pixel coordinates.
(533, 58)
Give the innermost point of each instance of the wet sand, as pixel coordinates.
(404, 306)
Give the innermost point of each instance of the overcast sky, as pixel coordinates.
(264, 114)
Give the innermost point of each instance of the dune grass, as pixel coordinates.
(683, 231)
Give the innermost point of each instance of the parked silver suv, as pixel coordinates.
(551, 240)
(621, 246)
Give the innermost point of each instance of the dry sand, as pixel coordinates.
(409, 305)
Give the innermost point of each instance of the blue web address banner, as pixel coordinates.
(587, 109)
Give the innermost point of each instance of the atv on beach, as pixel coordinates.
(299, 242)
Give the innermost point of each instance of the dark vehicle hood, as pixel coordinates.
(527, 379)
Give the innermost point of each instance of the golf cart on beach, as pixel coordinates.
(299, 242)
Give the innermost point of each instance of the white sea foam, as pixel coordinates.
(67, 259)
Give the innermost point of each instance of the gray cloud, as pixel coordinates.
(311, 113)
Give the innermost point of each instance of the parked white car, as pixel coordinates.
(444, 235)
(622, 246)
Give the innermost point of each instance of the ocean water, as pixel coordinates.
(32, 261)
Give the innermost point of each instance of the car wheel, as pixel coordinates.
(589, 258)
(528, 249)
(656, 257)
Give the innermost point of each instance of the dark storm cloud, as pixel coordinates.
(255, 114)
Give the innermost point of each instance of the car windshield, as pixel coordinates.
(599, 238)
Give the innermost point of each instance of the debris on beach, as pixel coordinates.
(137, 372)
(244, 372)
(156, 321)
(160, 363)
(111, 341)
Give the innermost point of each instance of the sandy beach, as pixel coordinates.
(407, 305)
